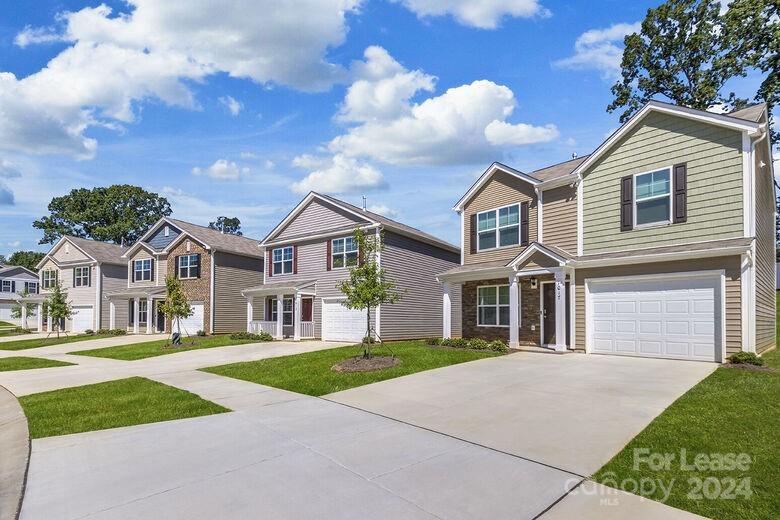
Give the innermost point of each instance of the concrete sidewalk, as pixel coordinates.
(14, 454)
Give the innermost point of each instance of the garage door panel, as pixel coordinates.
(650, 347)
(625, 307)
(342, 324)
(625, 345)
(81, 318)
(649, 327)
(603, 345)
(191, 325)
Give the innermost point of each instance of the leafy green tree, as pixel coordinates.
(230, 225)
(16, 310)
(58, 306)
(175, 307)
(28, 259)
(367, 286)
(120, 214)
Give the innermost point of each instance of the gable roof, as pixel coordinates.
(16, 270)
(100, 252)
(750, 113)
(556, 253)
(486, 175)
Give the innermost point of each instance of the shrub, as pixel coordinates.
(433, 342)
(498, 346)
(478, 344)
(201, 333)
(89, 332)
(746, 358)
(262, 336)
(368, 340)
(110, 332)
(21, 330)
(455, 343)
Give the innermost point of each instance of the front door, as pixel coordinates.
(160, 317)
(548, 313)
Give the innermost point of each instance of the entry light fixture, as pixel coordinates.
(533, 282)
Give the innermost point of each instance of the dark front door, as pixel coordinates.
(548, 313)
(307, 306)
(160, 317)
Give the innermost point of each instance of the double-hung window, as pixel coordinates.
(142, 270)
(283, 260)
(31, 287)
(7, 286)
(81, 276)
(49, 278)
(189, 266)
(143, 312)
(287, 311)
(493, 306)
(344, 252)
(653, 198)
(499, 227)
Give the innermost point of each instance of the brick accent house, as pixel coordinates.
(195, 289)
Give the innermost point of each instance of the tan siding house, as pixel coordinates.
(658, 244)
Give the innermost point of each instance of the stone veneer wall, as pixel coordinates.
(529, 312)
(198, 290)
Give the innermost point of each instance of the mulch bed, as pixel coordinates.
(751, 368)
(361, 364)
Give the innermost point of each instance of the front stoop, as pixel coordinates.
(540, 350)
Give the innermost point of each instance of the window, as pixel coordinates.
(81, 276)
(31, 287)
(653, 199)
(287, 311)
(7, 286)
(499, 227)
(283, 260)
(344, 252)
(49, 278)
(272, 310)
(143, 312)
(142, 270)
(167, 231)
(493, 306)
(189, 266)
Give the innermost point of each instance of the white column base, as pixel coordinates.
(447, 311)
(279, 316)
(514, 312)
(297, 318)
(250, 302)
(111, 314)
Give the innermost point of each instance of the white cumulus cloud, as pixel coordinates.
(600, 49)
(232, 104)
(336, 174)
(384, 210)
(223, 170)
(484, 14)
(8, 170)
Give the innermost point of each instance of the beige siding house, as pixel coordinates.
(658, 244)
(16, 282)
(310, 252)
(212, 267)
(87, 270)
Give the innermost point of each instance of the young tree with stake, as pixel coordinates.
(175, 307)
(58, 306)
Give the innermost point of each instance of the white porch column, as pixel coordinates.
(48, 322)
(514, 310)
(149, 319)
(40, 317)
(447, 311)
(250, 312)
(297, 317)
(560, 310)
(135, 315)
(279, 316)
(24, 315)
(111, 314)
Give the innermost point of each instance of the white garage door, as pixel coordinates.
(5, 313)
(342, 324)
(673, 318)
(190, 326)
(81, 319)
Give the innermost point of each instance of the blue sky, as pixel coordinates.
(238, 110)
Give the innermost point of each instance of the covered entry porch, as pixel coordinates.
(283, 310)
(137, 310)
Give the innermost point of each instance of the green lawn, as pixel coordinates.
(25, 363)
(311, 373)
(161, 347)
(23, 344)
(6, 324)
(731, 411)
(125, 402)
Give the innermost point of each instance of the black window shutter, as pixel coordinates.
(473, 233)
(197, 272)
(89, 277)
(627, 203)
(151, 274)
(132, 270)
(524, 224)
(680, 193)
(295, 259)
(74, 277)
(13, 286)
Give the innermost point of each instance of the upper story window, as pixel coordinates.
(7, 286)
(142, 270)
(498, 227)
(283, 260)
(189, 266)
(49, 278)
(652, 198)
(81, 276)
(344, 252)
(493, 306)
(31, 287)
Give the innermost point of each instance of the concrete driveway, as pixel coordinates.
(573, 412)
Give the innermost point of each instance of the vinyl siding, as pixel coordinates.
(67, 252)
(233, 274)
(765, 252)
(714, 158)
(159, 241)
(559, 218)
(114, 280)
(143, 254)
(501, 190)
(317, 217)
(413, 267)
(730, 264)
(79, 296)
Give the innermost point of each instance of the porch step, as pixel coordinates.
(541, 350)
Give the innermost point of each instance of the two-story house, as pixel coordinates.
(87, 270)
(312, 249)
(212, 267)
(15, 281)
(658, 244)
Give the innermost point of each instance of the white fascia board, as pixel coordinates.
(471, 276)
(493, 168)
(559, 181)
(660, 257)
(182, 236)
(535, 248)
(148, 233)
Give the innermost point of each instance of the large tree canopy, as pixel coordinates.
(230, 225)
(120, 214)
(687, 50)
(28, 259)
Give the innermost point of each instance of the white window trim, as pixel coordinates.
(4, 282)
(28, 285)
(145, 312)
(142, 270)
(282, 261)
(342, 254)
(497, 306)
(77, 277)
(50, 283)
(291, 312)
(189, 267)
(655, 197)
(498, 227)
